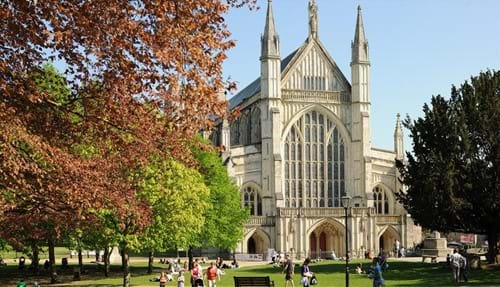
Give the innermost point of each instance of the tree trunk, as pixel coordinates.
(52, 261)
(97, 256)
(190, 256)
(492, 246)
(107, 254)
(35, 260)
(150, 262)
(80, 260)
(126, 269)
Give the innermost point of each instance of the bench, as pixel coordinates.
(253, 281)
(432, 257)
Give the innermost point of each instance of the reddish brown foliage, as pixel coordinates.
(145, 56)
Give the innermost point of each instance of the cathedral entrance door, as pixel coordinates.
(258, 243)
(251, 246)
(387, 240)
(322, 244)
(312, 247)
(325, 241)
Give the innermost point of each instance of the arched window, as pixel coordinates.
(215, 136)
(252, 200)
(244, 129)
(255, 126)
(314, 163)
(235, 132)
(381, 200)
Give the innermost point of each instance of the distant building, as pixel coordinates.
(303, 141)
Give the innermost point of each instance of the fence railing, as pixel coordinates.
(261, 221)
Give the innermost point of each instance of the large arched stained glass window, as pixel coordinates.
(314, 163)
(252, 200)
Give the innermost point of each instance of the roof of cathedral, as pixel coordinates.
(254, 87)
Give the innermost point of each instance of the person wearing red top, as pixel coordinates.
(212, 275)
(196, 275)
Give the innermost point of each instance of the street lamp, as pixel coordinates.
(345, 203)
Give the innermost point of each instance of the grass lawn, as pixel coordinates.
(329, 274)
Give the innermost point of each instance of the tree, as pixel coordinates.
(453, 175)
(225, 219)
(146, 56)
(178, 198)
(35, 208)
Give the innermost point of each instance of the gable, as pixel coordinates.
(313, 69)
(254, 87)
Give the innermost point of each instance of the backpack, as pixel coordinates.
(313, 281)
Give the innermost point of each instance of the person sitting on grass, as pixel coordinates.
(359, 269)
(234, 264)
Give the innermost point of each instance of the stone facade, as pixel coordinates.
(302, 142)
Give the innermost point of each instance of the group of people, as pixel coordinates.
(212, 274)
(399, 251)
(307, 276)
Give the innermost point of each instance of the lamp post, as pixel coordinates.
(345, 203)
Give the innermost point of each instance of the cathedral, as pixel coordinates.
(301, 142)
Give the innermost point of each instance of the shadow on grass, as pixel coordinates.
(10, 275)
(329, 273)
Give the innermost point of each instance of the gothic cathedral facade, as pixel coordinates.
(302, 142)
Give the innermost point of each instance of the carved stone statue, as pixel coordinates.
(313, 18)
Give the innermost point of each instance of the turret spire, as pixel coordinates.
(359, 35)
(313, 19)
(398, 139)
(360, 44)
(270, 39)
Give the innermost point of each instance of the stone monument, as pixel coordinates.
(435, 246)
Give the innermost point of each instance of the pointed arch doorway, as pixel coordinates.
(257, 243)
(327, 240)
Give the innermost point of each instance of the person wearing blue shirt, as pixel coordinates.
(376, 274)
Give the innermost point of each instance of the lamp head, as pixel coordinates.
(345, 200)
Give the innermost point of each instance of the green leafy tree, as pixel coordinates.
(453, 174)
(178, 198)
(225, 219)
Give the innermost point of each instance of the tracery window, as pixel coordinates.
(252, 200)
(381, 201)
(255, 126)
(244, 128)
(314, 163)
(235, 132)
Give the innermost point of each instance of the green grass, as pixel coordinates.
(329, 274)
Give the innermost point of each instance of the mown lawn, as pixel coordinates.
(329, 274)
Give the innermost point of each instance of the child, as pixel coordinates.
(180, 279)
(163, 279)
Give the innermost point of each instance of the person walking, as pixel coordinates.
(212, 275)
(306, 273)
(463, 268)
(288, 268)
(376, 273)
(455, 260)
(196, 274)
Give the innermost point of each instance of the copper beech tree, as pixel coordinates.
(143, 78)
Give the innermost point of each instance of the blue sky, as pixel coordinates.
(418, 48)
